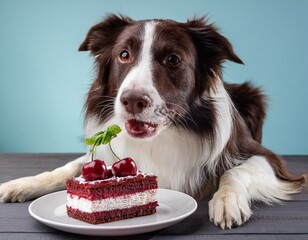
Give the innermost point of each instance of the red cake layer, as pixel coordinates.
(112, 187)
(114, 215)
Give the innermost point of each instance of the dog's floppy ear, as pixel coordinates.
(104, 33)
(212, 50)
(100, 41)
(211, 42)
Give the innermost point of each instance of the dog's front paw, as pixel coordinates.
(229, 209)
(19, 190)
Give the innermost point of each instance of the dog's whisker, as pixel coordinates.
(185, 115)
(108, 112)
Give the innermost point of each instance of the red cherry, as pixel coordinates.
(124, 167)
(109, 173)
(94, 170)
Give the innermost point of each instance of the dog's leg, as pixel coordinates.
(27, 188)
(252, 180)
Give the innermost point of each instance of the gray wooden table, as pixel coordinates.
(288, 221)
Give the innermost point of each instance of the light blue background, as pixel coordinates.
(43, 79)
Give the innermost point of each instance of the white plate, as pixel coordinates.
(173, 207)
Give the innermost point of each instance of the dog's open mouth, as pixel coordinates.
(140, 129)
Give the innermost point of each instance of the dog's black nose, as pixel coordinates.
(135, 101)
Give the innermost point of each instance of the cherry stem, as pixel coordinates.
(113, 151)
(92, 153)
(92, 150)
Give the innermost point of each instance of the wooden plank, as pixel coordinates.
(232, 237)
(297, 165)
(277, 219)
(61, 236)
(15, 217)
(20, 165)
(65, 236)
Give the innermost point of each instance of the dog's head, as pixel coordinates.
(151, 72)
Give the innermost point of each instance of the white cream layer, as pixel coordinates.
(108, 204)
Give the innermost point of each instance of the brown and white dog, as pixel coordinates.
(161, 81)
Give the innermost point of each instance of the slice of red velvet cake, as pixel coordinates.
(103, 195)
(111, 199)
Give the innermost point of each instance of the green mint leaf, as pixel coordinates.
(106, 137)
(91, 140)
(114, 129)
(109, 134)
(103, 137)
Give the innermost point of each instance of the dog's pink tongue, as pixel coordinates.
(139, 129)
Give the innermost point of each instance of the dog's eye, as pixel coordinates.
(173, 60)
(124, 56)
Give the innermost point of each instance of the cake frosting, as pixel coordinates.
(109, 204)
